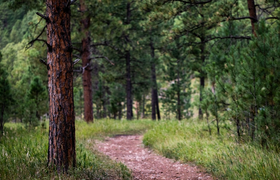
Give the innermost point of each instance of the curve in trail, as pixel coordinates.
(145, 164)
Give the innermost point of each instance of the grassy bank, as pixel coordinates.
(23, 152)
(107, 127)
(221, 156)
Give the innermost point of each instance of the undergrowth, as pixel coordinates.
(23, 151)
(219, 155)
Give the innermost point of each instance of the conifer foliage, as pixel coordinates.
(171, 59)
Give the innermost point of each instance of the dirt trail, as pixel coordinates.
(145, 164)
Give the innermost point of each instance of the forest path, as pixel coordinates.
(144, 163)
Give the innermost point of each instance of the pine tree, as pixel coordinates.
(176, 97)
(85, 55)
(61, 151)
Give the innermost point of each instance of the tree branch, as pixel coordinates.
(43, 16)
(229, 37)
(43, 62)
(85, 68)
(246, 17)
(76, 61)
(30, 44)
(272, 18)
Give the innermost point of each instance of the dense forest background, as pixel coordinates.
(215, 60)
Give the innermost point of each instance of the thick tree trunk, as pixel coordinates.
(128, 88)
(253, 14)
(61, 150)
(85, 54)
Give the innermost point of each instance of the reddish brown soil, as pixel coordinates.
(144, 163)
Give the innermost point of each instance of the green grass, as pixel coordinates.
(23, 152)
(221, 156)
(107, 127)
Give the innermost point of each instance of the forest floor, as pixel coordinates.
(144, 163)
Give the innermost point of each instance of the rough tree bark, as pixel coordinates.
(85, 54)
(61, 150)
(253, 14)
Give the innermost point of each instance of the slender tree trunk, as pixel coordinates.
(238, 128)
(104, 105)
(253, 14)
(137, 107)
(202, 78)
(153, 104)
(157, 105)
(207, 118)
(85, 54)
(129, 103)
(216, 109)
(248, 123)
(128, 88)
(253, 122)
(61, 150)
(154, 81)
(179, 116)
(143, 108)
(120, 110)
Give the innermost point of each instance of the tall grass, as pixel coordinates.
(108, 127)
(222, 156)
(23, 152)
